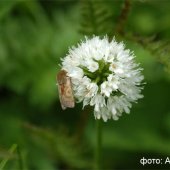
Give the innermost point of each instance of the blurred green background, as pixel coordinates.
(35, 133)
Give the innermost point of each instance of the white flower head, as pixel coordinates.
(104, 75)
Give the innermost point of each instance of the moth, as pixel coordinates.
(65, 90)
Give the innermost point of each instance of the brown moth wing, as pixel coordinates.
(65, 90)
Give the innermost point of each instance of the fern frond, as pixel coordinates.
(96, 18)
(160, 49)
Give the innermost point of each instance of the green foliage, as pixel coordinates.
(160, 50)
(96, 18)
(60, 146)
(6, 7)
(29, 54)
(34, 36)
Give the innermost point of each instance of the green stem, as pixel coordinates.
(5, 160)
(98, 154)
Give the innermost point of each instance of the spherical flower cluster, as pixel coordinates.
(104, 75)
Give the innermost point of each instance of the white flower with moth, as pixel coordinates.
(104, 75)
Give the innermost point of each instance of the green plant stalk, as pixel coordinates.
(5, 160)
(123, 16)
(20, 159)
(97, 165)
